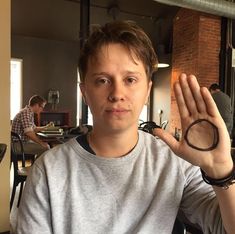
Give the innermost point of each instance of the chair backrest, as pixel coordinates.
(164, 124)
(179, 227)
(3, 148)
(17, 150)
(148, 126)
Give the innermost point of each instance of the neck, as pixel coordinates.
(215, 91)
(112, 145)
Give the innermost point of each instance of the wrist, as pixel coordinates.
(223, 182)
(46, 145)
(221, 170)
(42, 143)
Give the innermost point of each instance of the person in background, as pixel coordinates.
(23, 124)
(224, 106)
(118, 179)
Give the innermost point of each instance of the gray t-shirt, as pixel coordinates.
(73, 191)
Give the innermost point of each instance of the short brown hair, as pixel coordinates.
(126, 33)
(36, 99)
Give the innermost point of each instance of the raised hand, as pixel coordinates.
(195, 103)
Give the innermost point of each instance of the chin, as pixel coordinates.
(121, 127)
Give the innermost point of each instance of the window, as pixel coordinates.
(90, 119)
(16, 87)
(144, 114)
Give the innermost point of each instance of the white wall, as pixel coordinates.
(162, 94)
(5, 112)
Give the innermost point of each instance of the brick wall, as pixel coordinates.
(196, 47)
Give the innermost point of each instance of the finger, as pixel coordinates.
(209, 102)
(187, 94)
(196, 91)
(183, 110)
(167, 138)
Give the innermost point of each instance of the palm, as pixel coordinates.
(203, 136)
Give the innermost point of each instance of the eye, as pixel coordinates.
(102, 81)
(131, 80)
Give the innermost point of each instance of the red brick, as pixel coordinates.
(196, 47)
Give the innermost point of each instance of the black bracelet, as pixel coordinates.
(215, 138)
(224, 182)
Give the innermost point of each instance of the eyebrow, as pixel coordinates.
(108, 74)
(99, 73)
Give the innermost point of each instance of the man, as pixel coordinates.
(117, 179)
(223, 103)
(23, 124)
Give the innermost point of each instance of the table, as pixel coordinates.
(55, 139)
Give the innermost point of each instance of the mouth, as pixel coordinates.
(117, 110)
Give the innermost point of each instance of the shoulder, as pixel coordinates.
(220, 95)
(159, 157)
(26, 111)
(155, 144)
(161, 152)
(59, 155)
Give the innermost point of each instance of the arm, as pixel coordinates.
(199, 206)
(227, 207)
(41, 128)
(38, 129)
(196, 103)
(34, 214)
(27, 121)
(32, 136)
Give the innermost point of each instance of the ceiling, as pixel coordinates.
(60, 19)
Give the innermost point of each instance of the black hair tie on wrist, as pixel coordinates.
(223, 183)
(215, 139)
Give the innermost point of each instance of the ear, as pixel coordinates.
(83, 91)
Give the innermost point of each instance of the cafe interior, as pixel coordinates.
(46, 37)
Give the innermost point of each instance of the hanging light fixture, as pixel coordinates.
(163, 65)
(163, 58)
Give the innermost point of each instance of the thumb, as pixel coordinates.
(167, 138)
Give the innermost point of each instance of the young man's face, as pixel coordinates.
(116, 87)
(38, 108)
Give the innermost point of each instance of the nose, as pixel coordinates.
(116, 93)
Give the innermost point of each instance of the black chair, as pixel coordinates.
(148, 126)
(20, 169)
(3, 148)
(164, 124)
(179, 227)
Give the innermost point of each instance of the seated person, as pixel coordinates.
(23, 124)
(223, 102)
